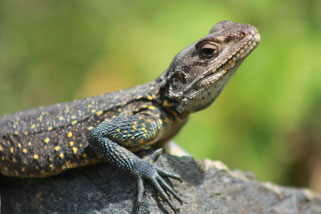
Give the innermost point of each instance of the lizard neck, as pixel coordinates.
(157, 92)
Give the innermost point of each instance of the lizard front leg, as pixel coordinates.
(110, 138)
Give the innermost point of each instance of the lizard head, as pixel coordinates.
(199, 73)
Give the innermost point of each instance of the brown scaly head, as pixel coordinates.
(199, 73)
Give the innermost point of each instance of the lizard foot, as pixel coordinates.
(144, 169)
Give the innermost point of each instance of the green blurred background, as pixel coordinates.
(268, 118)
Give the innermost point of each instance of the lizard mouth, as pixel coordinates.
(231, 63)
(216, 58)
(251, 42)
(214, 80)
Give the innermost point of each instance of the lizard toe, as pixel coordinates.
(155, 175)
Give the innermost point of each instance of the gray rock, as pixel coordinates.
(208, 187)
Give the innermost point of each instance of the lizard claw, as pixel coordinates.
(156, 176)
(140, 186)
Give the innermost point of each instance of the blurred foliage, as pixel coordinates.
(268, 118)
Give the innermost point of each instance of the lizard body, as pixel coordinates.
(48, 140)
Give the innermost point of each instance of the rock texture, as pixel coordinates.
(208, 187)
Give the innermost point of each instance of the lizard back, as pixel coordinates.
(57, 134)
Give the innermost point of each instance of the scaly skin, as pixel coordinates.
(49, 140)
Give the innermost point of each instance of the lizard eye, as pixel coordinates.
(208, 50)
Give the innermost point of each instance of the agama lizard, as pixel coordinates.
(44, 141)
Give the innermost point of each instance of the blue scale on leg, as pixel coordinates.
(109, 138)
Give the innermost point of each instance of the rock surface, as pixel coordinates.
(208, 187)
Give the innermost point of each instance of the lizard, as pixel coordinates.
(44, 141)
